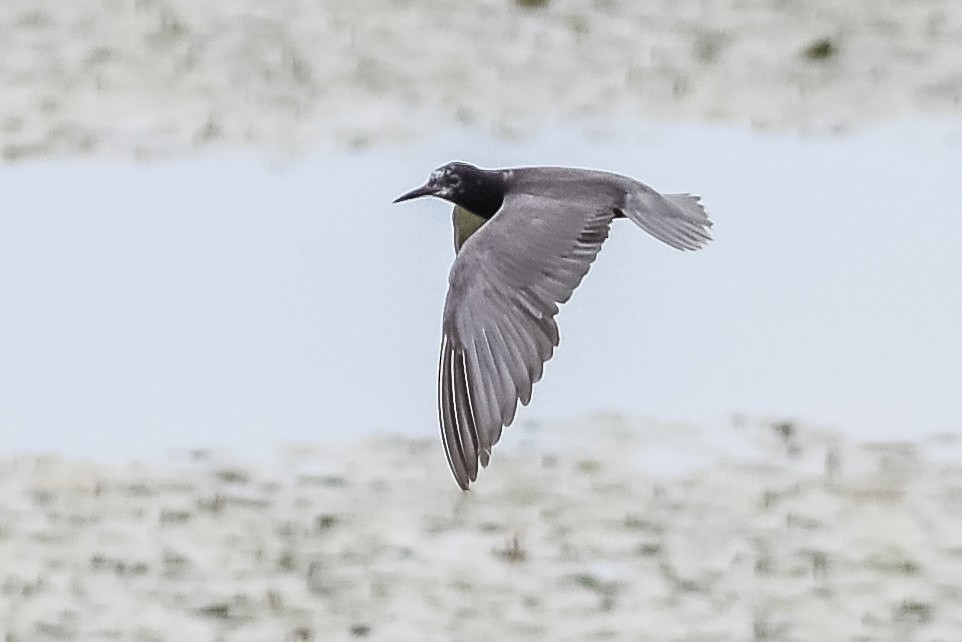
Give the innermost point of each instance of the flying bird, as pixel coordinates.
(524, 239)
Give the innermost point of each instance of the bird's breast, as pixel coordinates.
(466, 223)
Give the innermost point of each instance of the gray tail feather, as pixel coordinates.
(678, 220)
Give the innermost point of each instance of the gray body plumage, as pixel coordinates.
(511, 273)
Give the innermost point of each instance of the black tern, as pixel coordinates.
(524, 239)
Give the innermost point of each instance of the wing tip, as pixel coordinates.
(447, 415)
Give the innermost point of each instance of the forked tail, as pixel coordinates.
(678, 220)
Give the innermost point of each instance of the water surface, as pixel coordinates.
(232, 299)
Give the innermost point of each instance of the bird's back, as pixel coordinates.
(575, 187)
(678, 220)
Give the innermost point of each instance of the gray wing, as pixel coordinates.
(499, 325)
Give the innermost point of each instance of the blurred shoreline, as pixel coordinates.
(801, 536)
(160, 77)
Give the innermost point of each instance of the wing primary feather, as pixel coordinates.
(467, 431)
(521, 374)
(491, 384)
(536, 306)
(446, 412)
(507, 364)
(523, 346)
(508, 396)
(496, 389)
(483, 417)
(540, 317)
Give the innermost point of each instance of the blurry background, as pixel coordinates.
(198, 245)
(198, 250)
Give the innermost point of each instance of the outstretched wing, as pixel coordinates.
(499, 316)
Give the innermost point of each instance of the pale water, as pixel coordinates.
(235, 300)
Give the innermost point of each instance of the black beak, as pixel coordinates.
(424, 190)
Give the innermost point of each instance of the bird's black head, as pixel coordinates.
(478, 190)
